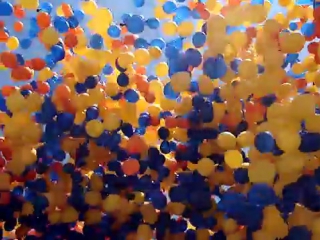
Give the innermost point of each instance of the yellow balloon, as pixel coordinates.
(216, 24)
(16, 102)
(94, 128)
(169, 28)
(144, 232)
(111, 89)
(206, 85)
(161, 69)
(227, 140)
(233, 158)
(45, 74)
(291, 42)
(12, 43)
(261, 171)
(285, 3)
(50, 36)
(211, 4)
(205, 166)
(111, 203)
(89, 7)
(111, 122)
(248, 69)
(288, 141)
(29, 4)
(155, 52)
(125, 59)
(180, 81)
(185, 29)
(238, 39)
(142, 57)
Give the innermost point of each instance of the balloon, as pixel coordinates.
(12, 43)
(6, 9)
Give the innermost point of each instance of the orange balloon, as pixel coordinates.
(141, 70)
(7, 90)
(43, 20)
(150, 97)
(129, 39)
(130, 167)
(43, 87)
(70, 40)
(170, 122)
(117, 44)
(66, 9)
(63, 91)
(26, 87)
(37, 64)
(136, 144)
(3, 36)
(18, 11)
(21, 73)
(9, 59)
(18, 26)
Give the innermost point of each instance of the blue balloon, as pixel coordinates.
(79, 14)
(91, 81)
(107, 69)
(20, 59)
(6, 9)
(92, 113)
(123, 80)
(25, 43)
(158, 42)
(135, 24)
(153, 23)
(293, 26)
(33, 22)
(264, 142)
(308, 29)
(169, 7)
(178, 64)
(46, 7)
(73, 22)
(171, 52)
(50, 60)
(152, 78)
(199, 39)
(169, 93)
(257, 2)
(177, 43)
(65, 121)
(3, 106)
(234, 65)
(183, 12)
(215, 67)
(114, 31)
(58, 53)
(194, 57)
(131, 96)
(61, 24)
(138, 3)
(262, 194)
(141, 43)
(96, 41)
(299, 232)
(126, 17)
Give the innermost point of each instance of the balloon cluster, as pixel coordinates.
(209, 132)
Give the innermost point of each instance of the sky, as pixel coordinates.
(118, 7)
